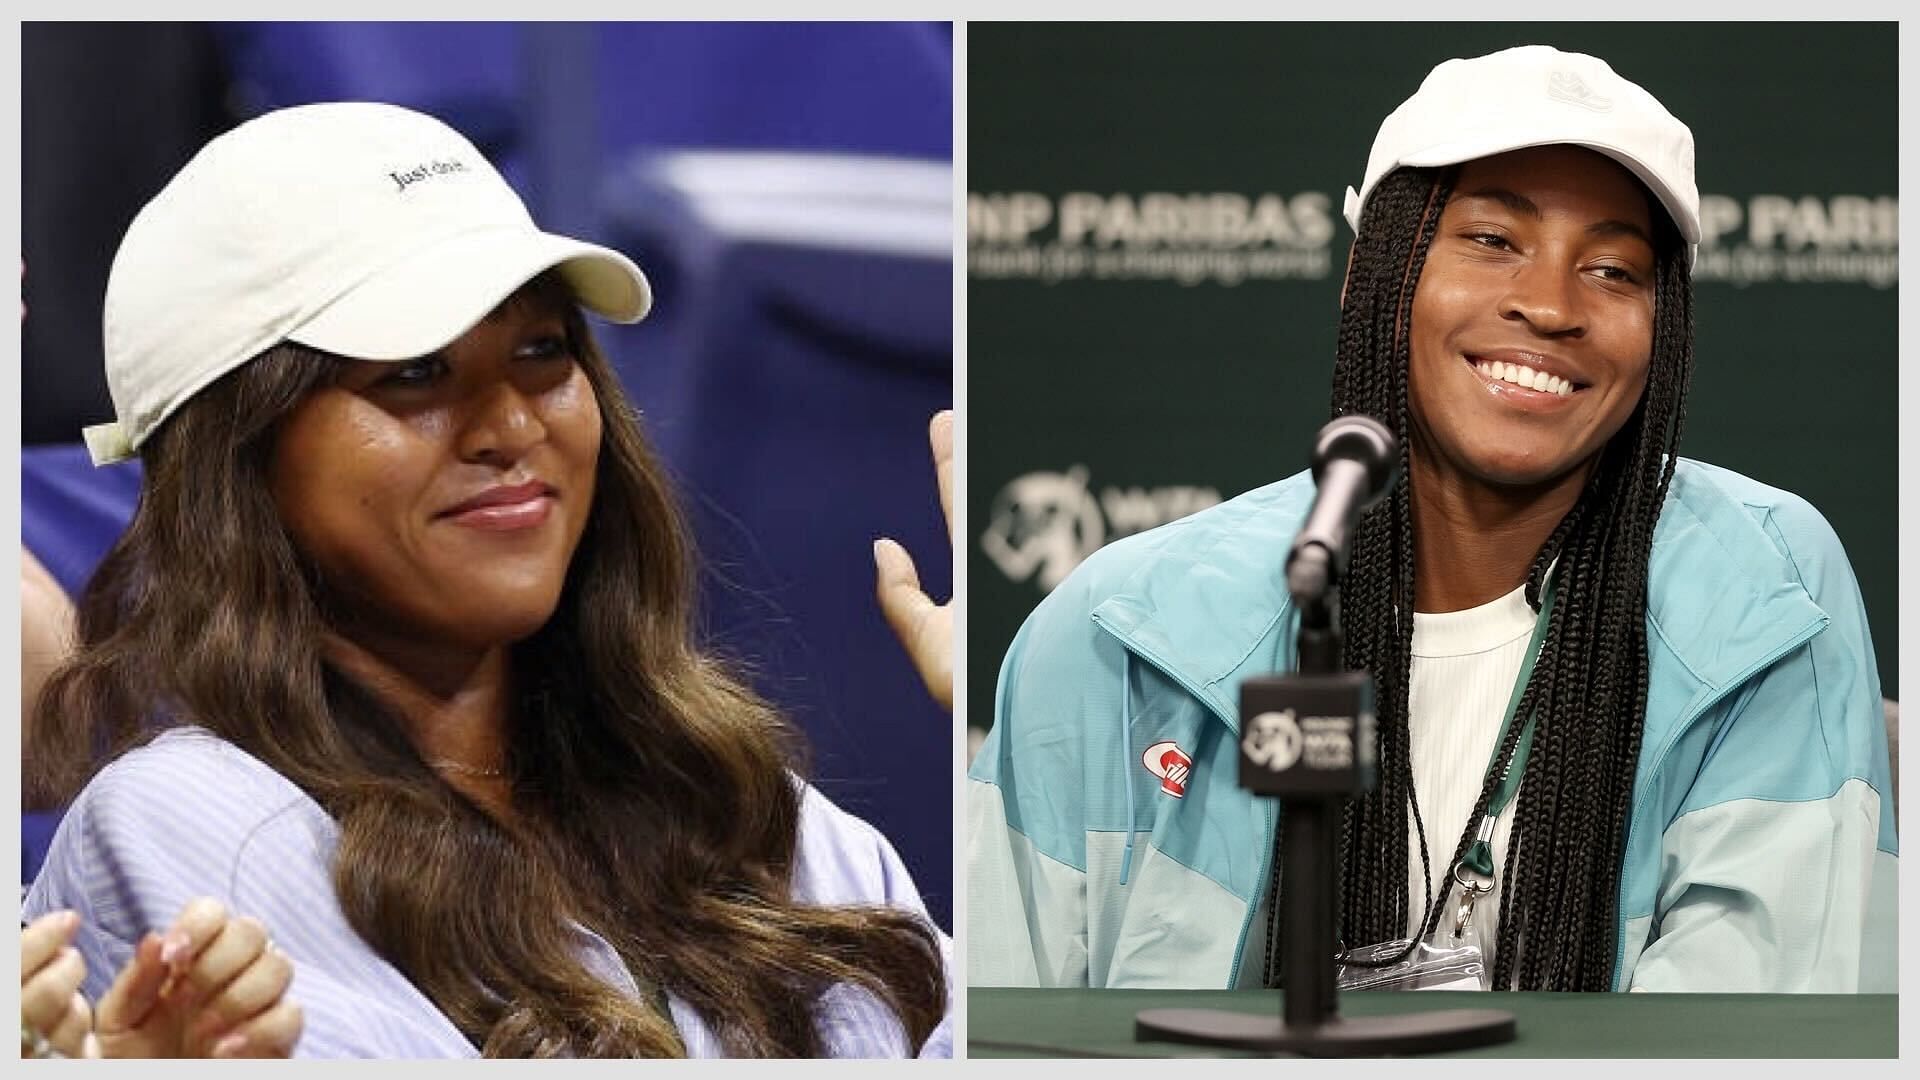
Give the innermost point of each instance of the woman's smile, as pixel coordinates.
(1526, 380)
(505, 508)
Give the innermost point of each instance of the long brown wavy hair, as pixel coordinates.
(656, 798)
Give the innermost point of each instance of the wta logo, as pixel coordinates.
(1274, 740)
(1171, 764)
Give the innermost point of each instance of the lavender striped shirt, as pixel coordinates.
(192, 815)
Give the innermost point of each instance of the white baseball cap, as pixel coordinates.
(356, 228)
(1536, 95)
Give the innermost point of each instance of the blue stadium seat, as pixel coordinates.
(468, 74)
(72, 512)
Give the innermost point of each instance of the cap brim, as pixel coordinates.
(1455, 153)
(430, 298)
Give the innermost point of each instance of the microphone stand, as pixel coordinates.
(1308, 739)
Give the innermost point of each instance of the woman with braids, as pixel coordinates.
(1698, 749)
(396, 655)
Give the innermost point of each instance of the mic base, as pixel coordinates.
(1339, 1036)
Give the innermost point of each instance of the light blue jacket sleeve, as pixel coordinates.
(1026, 868)
(1778, 872)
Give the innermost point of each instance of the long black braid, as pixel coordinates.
(1560, 883)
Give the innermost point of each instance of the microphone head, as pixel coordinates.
(1362, 439)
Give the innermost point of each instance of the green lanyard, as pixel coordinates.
(1479, 856)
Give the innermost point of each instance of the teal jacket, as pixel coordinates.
(1760, 854)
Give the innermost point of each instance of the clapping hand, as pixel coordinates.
(212, 985)
(54, 1016)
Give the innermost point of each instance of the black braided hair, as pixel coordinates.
(1560, 882)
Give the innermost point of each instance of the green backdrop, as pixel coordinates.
(1155, 245)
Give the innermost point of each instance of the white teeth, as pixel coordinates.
(1521, 375)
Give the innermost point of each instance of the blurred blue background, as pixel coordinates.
(787, 188)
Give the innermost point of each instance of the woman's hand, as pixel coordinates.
(211, 986)
(924, 627)
(51, 1004)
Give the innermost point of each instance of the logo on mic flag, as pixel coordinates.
(1171, 764)
(1273, 740)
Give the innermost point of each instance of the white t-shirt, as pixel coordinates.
(1464, 664)
(1463, 671)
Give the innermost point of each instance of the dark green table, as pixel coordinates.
(1099, 1023)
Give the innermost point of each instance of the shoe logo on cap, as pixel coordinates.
(1572, 89)
(1171, 764)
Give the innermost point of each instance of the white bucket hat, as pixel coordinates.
(1536, 95)
(356, 228)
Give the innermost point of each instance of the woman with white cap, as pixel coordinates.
(1628, 719)
(401, 632)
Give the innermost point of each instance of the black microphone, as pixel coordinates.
(1354, 461)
